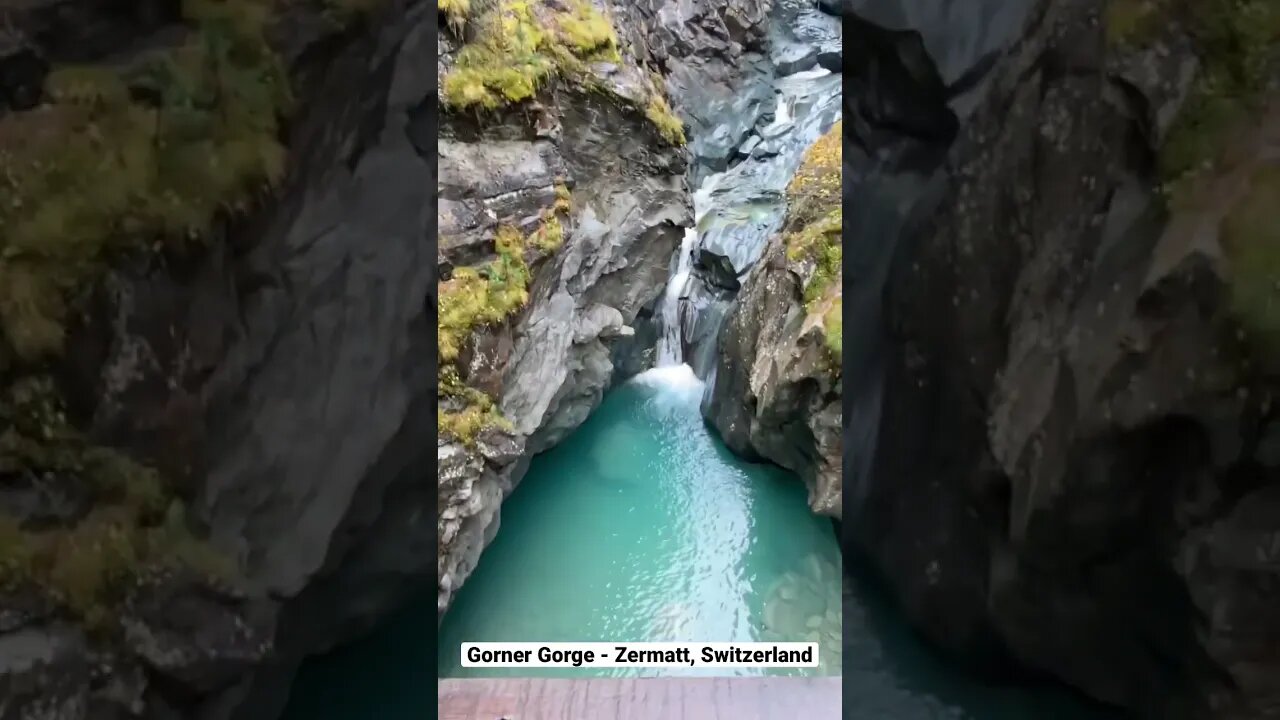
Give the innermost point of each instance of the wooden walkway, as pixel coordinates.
(641, 699)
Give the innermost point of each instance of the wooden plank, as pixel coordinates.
(771, 698)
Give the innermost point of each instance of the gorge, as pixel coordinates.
(1061, 473)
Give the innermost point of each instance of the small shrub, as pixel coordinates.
(564, 199)
(660, 114)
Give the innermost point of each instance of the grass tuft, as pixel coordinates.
(660, 114)
(517, 48)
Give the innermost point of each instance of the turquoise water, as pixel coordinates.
(641, 525)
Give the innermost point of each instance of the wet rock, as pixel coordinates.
(775, 393)
(1052, 461)
(44, 501)
(194, 637)
(22, 72)
(831, 57)
(44, 673)
(795, 58)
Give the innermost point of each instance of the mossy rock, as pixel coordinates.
(96, 172)
(520, 45)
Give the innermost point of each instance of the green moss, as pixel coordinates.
(819, 242)
(1251, 239)
(660, 114)
(519, 45)
(564, 199)
(817, 184)
(833, 325)
(549, 236)
(95, 173)
(1236, 41)
(40, 440)
(455, 12)
(475, 297)
(472, 298)
(89, 567)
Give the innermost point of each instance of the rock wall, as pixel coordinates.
(549, 365)
(777, 382)
(1058, 424)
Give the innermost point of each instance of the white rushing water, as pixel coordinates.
(735, 211)
(670, 352)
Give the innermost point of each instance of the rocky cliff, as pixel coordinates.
(777, 381)
(216, 300)
(1062, 289)
(596, 161)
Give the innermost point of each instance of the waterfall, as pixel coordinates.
(670, 351)
(738, 206)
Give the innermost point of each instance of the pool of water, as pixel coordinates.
(642, 526)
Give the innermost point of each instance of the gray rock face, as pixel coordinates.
(630, 205)
(1053, 447)
(776, 394)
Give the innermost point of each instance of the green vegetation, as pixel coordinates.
(476, 410)
(95, 172)
(476, 297)
(815, 223)
(519, 46)
(89, 567)
(472, 297)
(1251, 240)
(1236, 41)
(833, 324)
(660, 114)
(816, 187)
(820, 243)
